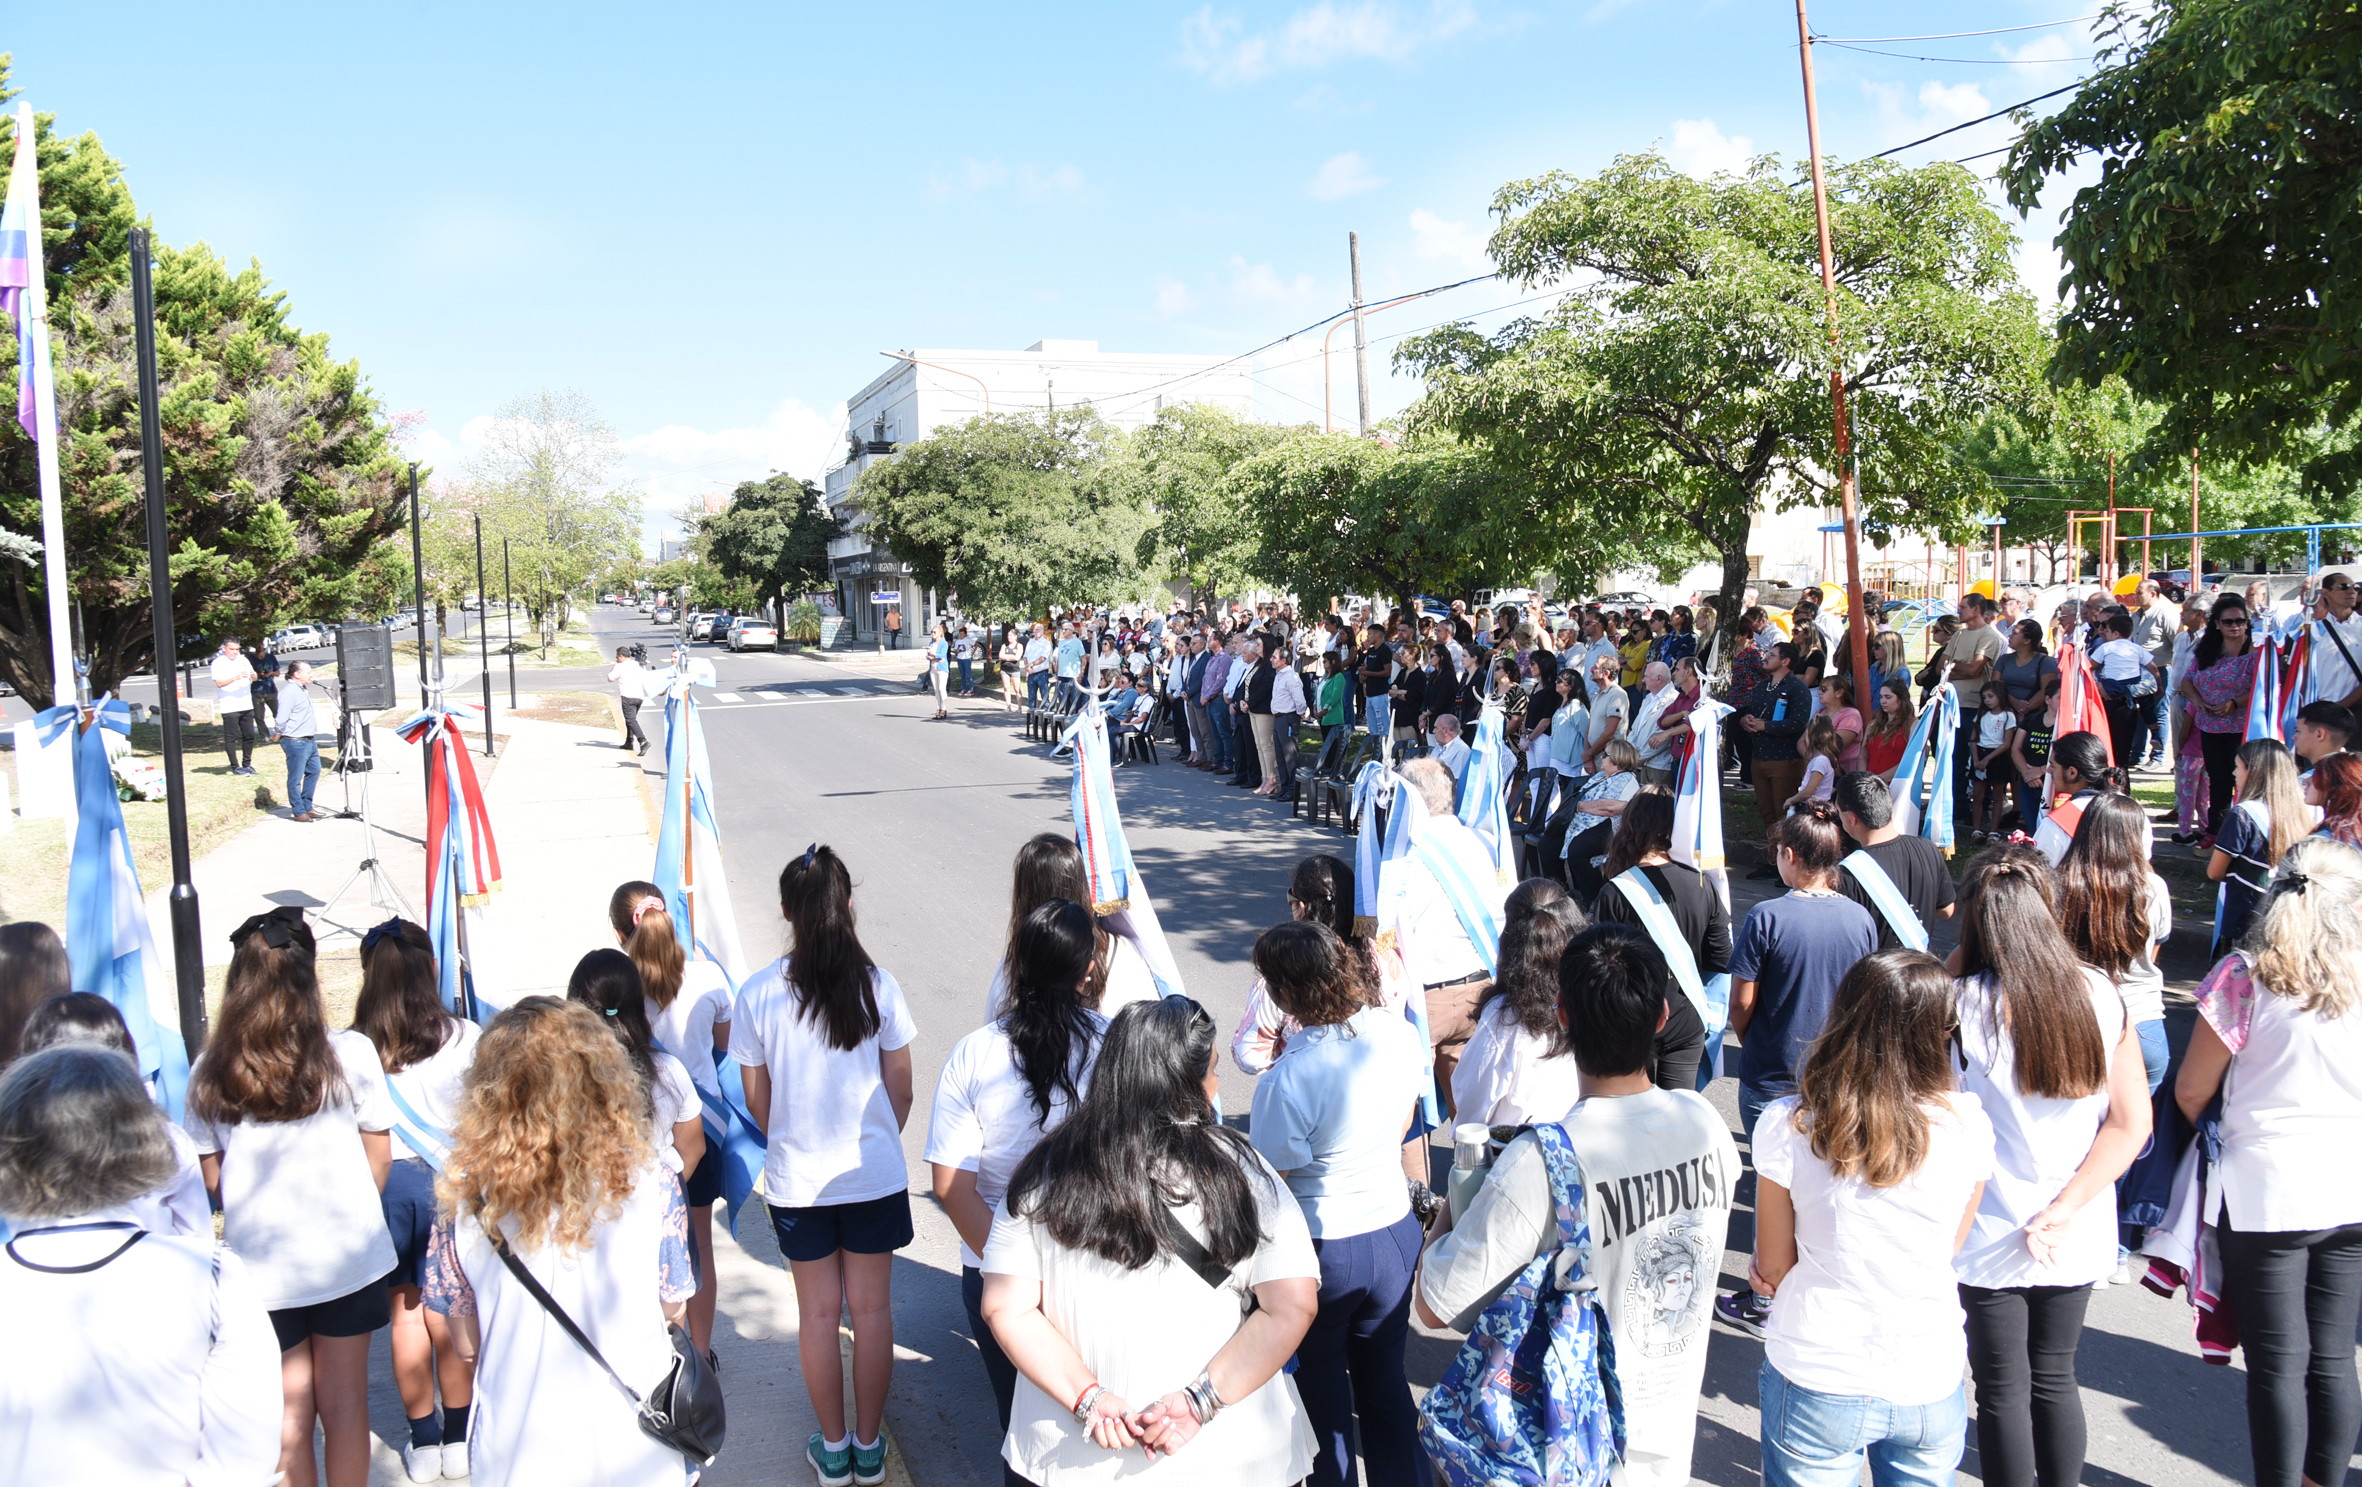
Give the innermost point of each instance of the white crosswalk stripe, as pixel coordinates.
(727, 697)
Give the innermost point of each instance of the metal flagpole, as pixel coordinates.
(53, 512)
(508, 604)
(484, 639)
(1856, 623)
(188, 959)
(418, 589)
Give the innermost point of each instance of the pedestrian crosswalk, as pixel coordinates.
(767, 693)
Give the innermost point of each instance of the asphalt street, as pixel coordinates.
(928, 816)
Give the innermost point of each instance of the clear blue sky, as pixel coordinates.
(710, 218)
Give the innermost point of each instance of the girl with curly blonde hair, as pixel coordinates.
(551, 1161)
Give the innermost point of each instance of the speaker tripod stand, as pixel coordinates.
(354, 758)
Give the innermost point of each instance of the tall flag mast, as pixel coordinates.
(24, 296)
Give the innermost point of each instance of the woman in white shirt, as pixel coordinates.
(1331, 1116)
(425, 1052)
(2049, 1053)
(1050, 866)
(180, 1206)
(550, 1158)
(822, 1037)
(688, 1007)
(290, 1122)
(1516, 1069)
(2279, 1036)
(1867, 1179)
(138, 1357)
(1120, 1268)
(608, 983)
(1002, 1089)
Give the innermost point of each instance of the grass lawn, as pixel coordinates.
(33, 857)
(584, 709)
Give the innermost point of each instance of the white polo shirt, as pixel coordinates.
(1330, 1116)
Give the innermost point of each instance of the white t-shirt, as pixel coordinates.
(1037, 654)
(148, 1372)
(1099, 1308)
(1820, 777)
(630, 684)
(2143, 985)
(1435, 946)
(1659, 1168)
(1128, 980)
(1608, 708)
(1993, 729)
(233, 684)
(1506, 1076)
(686, 1028)
(1871, 1308)
(2333, 675)
(1331, 1115)
(432, 1088)
(181, 1206)
(984, 1120)
(2037, 1145)
(833, 1137)
(674, 1099)
(298, 1201)
(2120, 660)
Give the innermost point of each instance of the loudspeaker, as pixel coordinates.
(365, 666)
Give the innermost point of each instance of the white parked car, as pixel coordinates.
(663, 614)
(298, 638)
(752, 632)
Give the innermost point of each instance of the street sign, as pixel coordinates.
(886, 596)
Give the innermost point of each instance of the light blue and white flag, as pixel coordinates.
(1379, 847)
(1923, 777)
(1697, 798)
(1118, 896)
(110, 945)
(1482, 804)
(462, 864)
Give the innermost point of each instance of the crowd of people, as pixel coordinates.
(1944, 1157)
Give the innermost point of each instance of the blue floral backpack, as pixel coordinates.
(1531, 1399)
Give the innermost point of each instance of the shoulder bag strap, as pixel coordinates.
(558, 1313)
(2340, 642)
(137, 1234)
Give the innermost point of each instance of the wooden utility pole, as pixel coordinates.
(1857, 624)
(2197, 568)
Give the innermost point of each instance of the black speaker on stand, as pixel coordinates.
(365, 666)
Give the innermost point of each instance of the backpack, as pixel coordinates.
(1531, 1399)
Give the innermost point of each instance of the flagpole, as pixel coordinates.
(418, 625)
(188, 959)
(483, 636)
(53, 516)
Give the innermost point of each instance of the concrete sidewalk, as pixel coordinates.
(571, 818)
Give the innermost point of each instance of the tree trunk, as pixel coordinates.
(1728, 600)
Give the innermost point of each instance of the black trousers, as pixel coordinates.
(1284, 731)
(237, 737)
(2221, 753)
(1582, 877)
(2021, 1352)
(631, 723)
(2296, 1296)
(1001, 1373)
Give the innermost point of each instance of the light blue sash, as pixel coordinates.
(429, 1141)
(1468, 902)
(1900, 916)
(1657, 919)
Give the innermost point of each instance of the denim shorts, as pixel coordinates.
(874, 1226)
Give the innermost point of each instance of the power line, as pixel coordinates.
(1963, 61)
(1952, 35)
(1987, 119)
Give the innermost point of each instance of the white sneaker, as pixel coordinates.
(454, 1460)
(423, 1463)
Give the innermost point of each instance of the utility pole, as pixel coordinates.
(2197, 569)
(1856, 623)
(1361, 345)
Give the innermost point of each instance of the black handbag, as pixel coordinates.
(684, 1410)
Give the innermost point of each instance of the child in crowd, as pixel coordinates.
(1986, 765)
(178, 1207)
(1822, 748)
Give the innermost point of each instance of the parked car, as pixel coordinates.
(298, 638)
(718, 625)
(663, 614)
(752, 632)
(1626, 599)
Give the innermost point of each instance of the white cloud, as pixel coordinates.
(1219, 45)
(1455, 243)
(1031, 182)
(1344, 175)
(1173, 297)
(1261, 284)
(677, 461)
(1938, 106)
(1702, 150)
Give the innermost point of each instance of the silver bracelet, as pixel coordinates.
(1204, 1401)
(1083, 1406)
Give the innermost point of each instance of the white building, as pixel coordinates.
(921, 391)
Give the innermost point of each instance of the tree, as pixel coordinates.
(1012, 513)
(1177, 466)
(280, 477)
(1336, 515)
(1684, 382)
(2212, 266)
(773, 537)
(542, 479)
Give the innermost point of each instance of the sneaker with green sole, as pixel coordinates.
(835, 1468)
(869, 1462)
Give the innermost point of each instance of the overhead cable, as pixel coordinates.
(1953, 35)
(1987, 119)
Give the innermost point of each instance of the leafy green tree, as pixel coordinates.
(1178, 466)
(772, 538)
(280, 475)
(1683, 384)
(2210, 266)
(1011, 514)
(543, 478)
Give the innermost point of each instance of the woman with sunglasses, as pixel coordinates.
(2216, 687)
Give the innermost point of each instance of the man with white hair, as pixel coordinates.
(1657, 693)
(1450, 749)
(1452, 901)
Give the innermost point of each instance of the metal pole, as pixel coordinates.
(483, 633)
(508, 604)
(2107, 561)
(188, 959)
(2197, 543)
(1856, 623)
(1361, 345)
(426, 756)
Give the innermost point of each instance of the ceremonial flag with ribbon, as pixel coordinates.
(1380, 845)
(2283, 685)
(1483, 801)
(110, 945)
(2082, 706)
(1923, 777)
(1697, 798)
(690, 874)
(19, 229)
(1118, 896)
(462, 863)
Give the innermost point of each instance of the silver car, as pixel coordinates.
(752, 632)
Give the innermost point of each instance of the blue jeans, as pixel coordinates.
(1225, 733)
(1379, 711)
(2160, 730)
(1037, 688)
(1351, 1359)
(303, 772)
(967, 674)
(1819, 1440)
(2154, 1054)
(1751, 1103)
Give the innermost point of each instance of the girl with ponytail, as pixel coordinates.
(822, 1036)
(1006, 1086)
(687, 1001)
(1050, 866)
(2080, 773)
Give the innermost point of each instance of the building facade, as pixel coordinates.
(923, 390)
